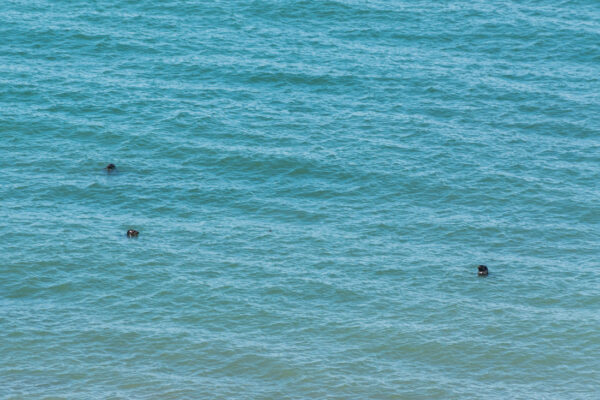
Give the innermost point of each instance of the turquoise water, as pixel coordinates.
(314, 183)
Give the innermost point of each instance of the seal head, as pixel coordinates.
(132, 233)
(482, 270)
(110, 168)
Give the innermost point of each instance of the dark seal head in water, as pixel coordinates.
(482, 270)
(132, 233)
(110, 167)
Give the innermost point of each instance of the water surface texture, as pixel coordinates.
(314, 183)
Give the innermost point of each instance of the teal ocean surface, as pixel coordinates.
(314, 183)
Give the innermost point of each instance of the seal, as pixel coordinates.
(482, 270)
(110, 168)
(132, 233)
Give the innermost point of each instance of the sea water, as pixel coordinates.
(314, 183)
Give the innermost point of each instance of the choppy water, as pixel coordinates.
(314, 183)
